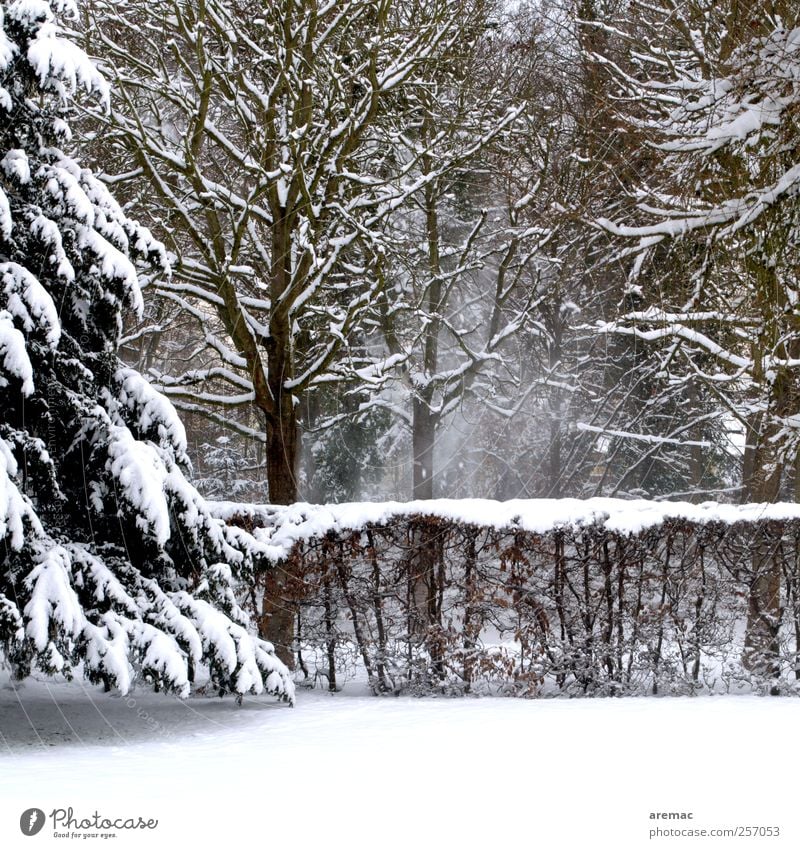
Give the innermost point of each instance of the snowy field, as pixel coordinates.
(353, 770)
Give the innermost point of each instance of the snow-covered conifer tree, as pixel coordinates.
(109, 558)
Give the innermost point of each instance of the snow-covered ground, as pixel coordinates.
(353, 770)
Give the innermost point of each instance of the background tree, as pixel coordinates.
(464, 257)
(719, 84)
(278, 265)
(269, 147)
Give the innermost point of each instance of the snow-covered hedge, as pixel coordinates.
(594, 597)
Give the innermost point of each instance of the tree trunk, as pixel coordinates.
(278, 613)
(763, 473)
(282, 459)
(424, 420)
(424, 536)
(422, 439)
(762, 485)
(278, 610)
(276, 623)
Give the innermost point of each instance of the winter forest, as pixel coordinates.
(441, 349)
(430, 348)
